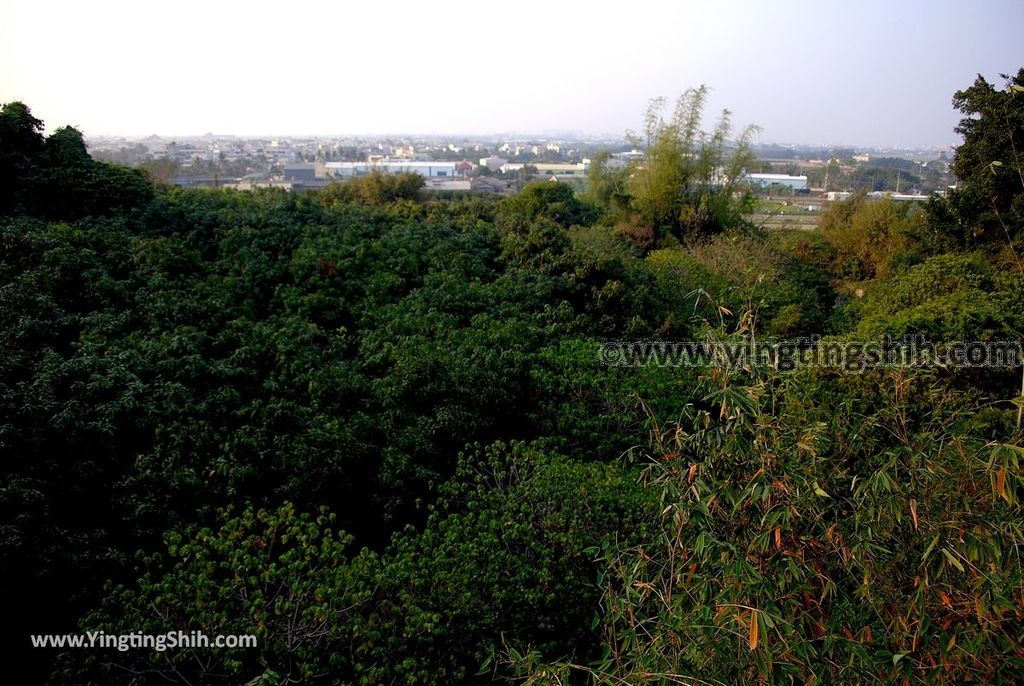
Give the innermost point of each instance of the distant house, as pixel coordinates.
(305, 175)
(493, 163)
(560, 171)
(446, 184)
(490, 184)
(205, 182)
(249, 185)
(301, 172)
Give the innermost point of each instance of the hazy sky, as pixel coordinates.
(879, 73)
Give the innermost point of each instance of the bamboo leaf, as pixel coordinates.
(952, 559)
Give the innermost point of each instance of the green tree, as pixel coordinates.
(874, 237)
(810, 532)
(548, 200)
(376, 188)
(277, 574)
(988, 204)
(507, 555)
(66, 146)
(21, 139)
(950, 297)
(686, 184)
(20, 133)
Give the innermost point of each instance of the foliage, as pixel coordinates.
(597, 414)
(376, 188)
(55, 177)
(21, 142)
(505, 555)
(224, 346)
(277, 574)
(781, 294)
(548, 200)
(807, 536)
(501, 554)
(686, 183)
(875, 237)
(175, 364)
(988, 204)
(945, 298)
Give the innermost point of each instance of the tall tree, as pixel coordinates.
(685, 187)
(21, 139)
(988, 203)
(20, 132)
(66, 146)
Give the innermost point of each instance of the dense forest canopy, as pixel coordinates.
(372, 427)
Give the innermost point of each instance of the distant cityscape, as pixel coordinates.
(503, 166)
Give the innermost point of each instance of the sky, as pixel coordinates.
(817, 72)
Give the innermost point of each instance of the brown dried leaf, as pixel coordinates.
(1001, 484)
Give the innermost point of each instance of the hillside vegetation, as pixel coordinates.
(374, 429)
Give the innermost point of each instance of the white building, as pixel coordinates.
(551, 171)
(878, 195)
(901, 197)
(430, 170)
(630, 156)
(797, 183)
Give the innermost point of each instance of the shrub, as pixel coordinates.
(808, 536)
(869, 233)
(506, 555)
(945, 298)
(276, 574)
